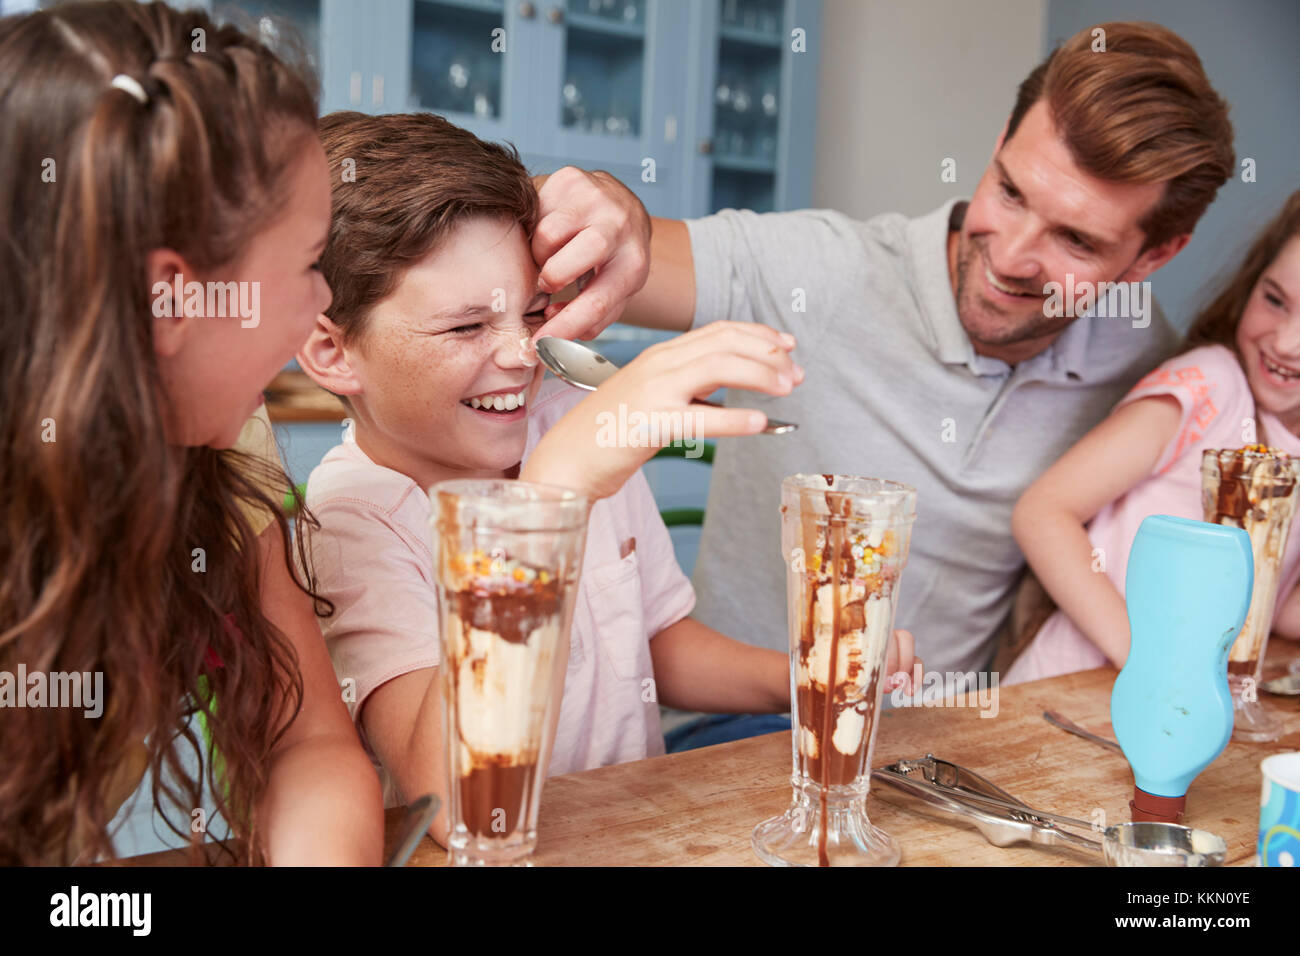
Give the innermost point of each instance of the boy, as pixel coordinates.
(427, 339)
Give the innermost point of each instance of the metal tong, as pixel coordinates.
(1000, 817)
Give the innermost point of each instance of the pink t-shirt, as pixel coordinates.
(374, 560)
(1218, 411)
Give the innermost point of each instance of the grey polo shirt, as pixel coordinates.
(894, 390)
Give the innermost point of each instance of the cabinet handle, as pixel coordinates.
(555, 15)
(527, 10)
(706, 147)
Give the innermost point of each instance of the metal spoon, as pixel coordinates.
(419, 815)
(1069, 726)
(586, 368)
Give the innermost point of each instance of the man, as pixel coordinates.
(938, 351)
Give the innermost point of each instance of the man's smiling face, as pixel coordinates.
(1037, 216)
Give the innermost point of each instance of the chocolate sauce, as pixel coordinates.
(1242, 667)
(512, 612)
(493, 797)
(1233, 499)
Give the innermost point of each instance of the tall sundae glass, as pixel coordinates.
(1253, 488)
(508, 555)
(845, 541)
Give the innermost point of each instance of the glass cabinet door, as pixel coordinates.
(459, 56)
(604, 66)
(329, 31)
(746, 104)
(591, 88)
(611, 92)
(755, 151)
(304, 16)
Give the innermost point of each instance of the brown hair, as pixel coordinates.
(401, 184)
(1142, 111)
(100, 523)
(1218, 321)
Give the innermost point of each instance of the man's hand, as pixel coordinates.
(589, 223)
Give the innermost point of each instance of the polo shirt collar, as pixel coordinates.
(928, 250)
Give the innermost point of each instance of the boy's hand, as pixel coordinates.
(611, 433)
(902, 665)
(589, 223)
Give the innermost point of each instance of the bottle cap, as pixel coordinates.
(1150, 808)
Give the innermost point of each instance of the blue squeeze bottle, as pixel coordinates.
(1188, 589)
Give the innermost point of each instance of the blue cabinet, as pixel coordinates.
(694, 104)
(754, 110)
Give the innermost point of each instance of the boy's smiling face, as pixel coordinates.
(458, 327)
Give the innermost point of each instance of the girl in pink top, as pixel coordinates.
(436, 298)
(1238, 385)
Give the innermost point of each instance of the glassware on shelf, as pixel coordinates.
(575, 110)
(722, 94)
(618, 11)
(740, 98)
(603, 74)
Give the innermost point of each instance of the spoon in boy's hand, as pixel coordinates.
(586, 368)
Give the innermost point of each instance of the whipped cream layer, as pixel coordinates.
(503, 629)
(502, 689)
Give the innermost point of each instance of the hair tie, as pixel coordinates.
(129, 84)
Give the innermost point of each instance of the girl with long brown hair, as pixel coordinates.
(1236, 383)
(145, 150)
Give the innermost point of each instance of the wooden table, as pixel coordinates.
(698, 808)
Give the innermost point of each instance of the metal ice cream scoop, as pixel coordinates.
(586, 368)
(1003, 820)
